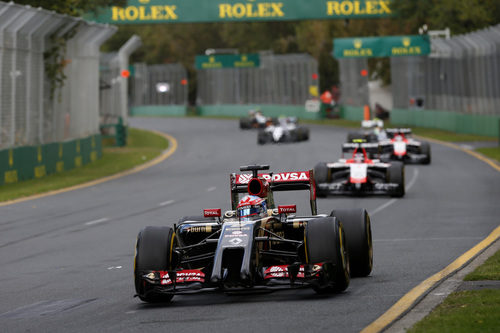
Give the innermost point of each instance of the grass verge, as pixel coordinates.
(465, 311)
(468, 311)
(142, 147)
(492, 152)
(490, 270)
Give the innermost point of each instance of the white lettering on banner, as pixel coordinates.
(277, 177)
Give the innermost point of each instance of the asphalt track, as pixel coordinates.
(66, 260)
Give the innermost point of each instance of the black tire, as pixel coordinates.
(321, 177)
(305, 133)
(425, 149)
(152, 253)
(245, 123)
(358, 232)
(396, 174)
(326, 243)
(262, 137)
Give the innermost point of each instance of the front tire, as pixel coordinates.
(326, 243)
(358, 232)
(153, 253)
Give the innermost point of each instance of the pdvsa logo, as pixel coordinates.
(406, 42)
(358, 43)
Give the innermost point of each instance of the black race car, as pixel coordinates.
(360, 174)
(287, 130)
(400, 146)
(256, 245)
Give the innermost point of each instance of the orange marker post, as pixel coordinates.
(367, 115)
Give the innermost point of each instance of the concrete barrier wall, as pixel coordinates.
(270, 110)
(158, 110)
(444, 120)
(447, 120)
(28, 162)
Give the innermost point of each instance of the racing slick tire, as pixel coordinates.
(358, 232)
(396, 174)
(351, 136)
(425, 149)
(152, 253)
(303, 133)
(326, 243)
(321, 176)
(245, 123)
(262, 137)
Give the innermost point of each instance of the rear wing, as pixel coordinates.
(371, 148)
(391, 132)
(282, 181)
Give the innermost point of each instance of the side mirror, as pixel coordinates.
(212, 212)
(287, 209)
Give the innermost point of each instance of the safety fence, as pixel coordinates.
(455, 88)
(158, 89)
(462, 74)
(458, 85)
(49, 92)
(280, 80)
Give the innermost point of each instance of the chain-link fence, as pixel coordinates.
(354, 85)
(113, 83)
(280, 79)
(159, 85)
(32, 109)
(462, 74)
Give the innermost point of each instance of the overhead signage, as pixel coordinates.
(227, 61)
(192, 11)
(392, 46)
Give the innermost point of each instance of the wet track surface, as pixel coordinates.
(67, 260)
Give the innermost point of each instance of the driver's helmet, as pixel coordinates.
(252, 207)
(359, 157)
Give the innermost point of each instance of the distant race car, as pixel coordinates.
(360, 175)
(401, 147)
(286, 130)
(371, 131)
(256, 119)
(256, 245)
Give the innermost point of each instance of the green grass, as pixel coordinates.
(466, 311)
(490, 270)
(142, 147)
(450, 136)
(493, 152)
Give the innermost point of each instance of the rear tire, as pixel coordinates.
(396, 174)
(262, 137)
(351, 136)
(245, 123)
(320, 177)
(358, 232)
(152, 253)
(326, 243)
(425, 149)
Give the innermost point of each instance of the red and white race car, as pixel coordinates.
(360, 174)
(400, 146)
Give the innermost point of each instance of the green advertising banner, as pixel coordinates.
(227, 61)
(192, 11)
(392, 46)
